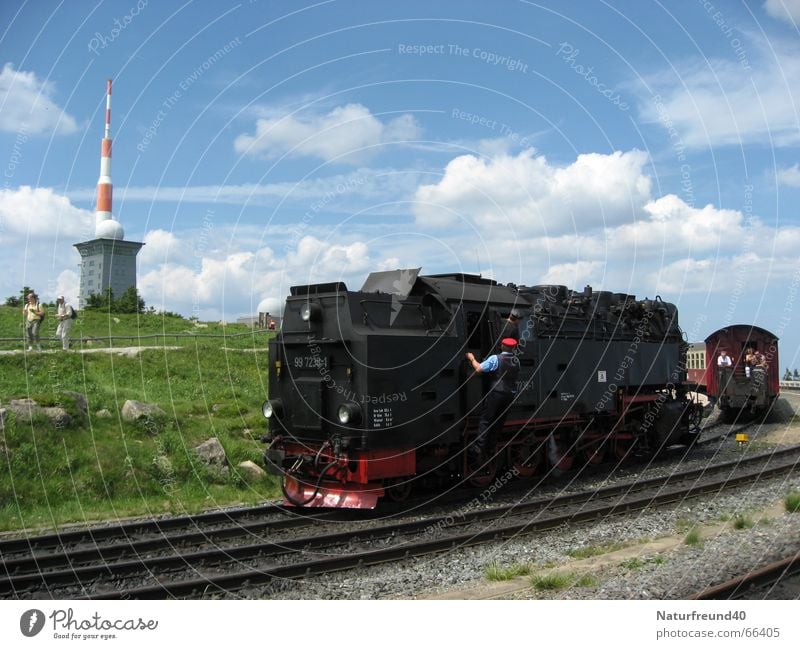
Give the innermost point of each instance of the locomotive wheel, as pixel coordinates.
(565, 462)
(623, 447)
(594, 450)
(526, 458)
(481, 472)
(398, 489)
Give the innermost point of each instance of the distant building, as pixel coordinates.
(107, 263)
(696, 356)
(249, 320)
(261, 321)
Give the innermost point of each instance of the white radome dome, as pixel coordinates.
(109, 229)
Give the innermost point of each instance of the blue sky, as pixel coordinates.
(644, 147)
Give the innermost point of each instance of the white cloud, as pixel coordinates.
(356, 187)
(575, 274)
(238, 281)
(786, 10)
(789, 176)
(27, 106)
(711, 101)
(595, 221)
(345, 134)
(526, 195)
(40, 213)
(68, 285)
(161, 247)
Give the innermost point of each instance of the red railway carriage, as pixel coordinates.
(746, 385)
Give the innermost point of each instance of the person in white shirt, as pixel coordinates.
(723, 360)
(64, 315)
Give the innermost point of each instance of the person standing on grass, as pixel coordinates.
(33, 312)
(64, 315)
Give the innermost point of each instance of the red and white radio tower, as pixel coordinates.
(105, 225)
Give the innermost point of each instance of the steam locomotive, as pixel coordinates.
(370, 393)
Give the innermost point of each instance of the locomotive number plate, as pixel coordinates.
(310, 362)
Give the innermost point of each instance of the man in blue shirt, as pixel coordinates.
(505, 369)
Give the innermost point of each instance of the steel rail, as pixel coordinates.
(764, 576)
(82, 575)
(239, 580)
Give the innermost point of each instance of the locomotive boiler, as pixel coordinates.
(370, 393)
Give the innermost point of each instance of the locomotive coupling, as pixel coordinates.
(273, 460)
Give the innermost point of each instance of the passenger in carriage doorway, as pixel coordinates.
(723, 360)
(505, 368)
(749, 360)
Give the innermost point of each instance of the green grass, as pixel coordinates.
(692, 537)
(560, 581)
(593, 551)
(138, 329)
(97, 469)
(792, 502)
(743, 522)
(496, 573)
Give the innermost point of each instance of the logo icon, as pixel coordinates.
(31, 622)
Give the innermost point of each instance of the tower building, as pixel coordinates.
(107, 261)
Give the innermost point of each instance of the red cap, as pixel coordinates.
(508, 342)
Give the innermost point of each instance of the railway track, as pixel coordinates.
(759, 584)
(113, 542)
(196, 573)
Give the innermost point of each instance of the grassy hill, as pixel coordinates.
(100, 468)
(125, 328)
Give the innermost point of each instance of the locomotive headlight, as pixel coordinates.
(349, 413)
(310, 312)
(272, 408)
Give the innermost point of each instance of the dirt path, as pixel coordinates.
(122, 351)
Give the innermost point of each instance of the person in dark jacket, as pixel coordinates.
(505, 368)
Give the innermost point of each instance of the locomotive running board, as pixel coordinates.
(349, 495)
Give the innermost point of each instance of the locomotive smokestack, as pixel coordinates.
(105, 225)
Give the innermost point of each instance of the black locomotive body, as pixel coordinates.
(369, 391)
